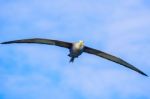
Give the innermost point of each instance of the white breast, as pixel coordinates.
(76, 49)
(77, 46)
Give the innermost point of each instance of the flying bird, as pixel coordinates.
(76, 49)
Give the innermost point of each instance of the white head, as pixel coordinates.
(81, 43)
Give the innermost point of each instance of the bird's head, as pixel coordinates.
(81, 43)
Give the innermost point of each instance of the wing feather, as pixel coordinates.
(42, 41)
(112, 58)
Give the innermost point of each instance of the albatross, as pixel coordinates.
(76, 49)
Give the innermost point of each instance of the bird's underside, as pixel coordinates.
(76, 49)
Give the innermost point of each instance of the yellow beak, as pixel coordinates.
(81, 43)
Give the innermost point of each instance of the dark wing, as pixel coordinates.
(42, 41)
(112, 58)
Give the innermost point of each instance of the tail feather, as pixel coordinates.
(72, 59)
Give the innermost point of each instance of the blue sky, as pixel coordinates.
(29, 71)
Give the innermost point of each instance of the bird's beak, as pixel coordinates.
(81, 43)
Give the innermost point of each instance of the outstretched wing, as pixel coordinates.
(42, 41)
(112, 58)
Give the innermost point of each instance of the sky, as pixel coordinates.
(32, 71)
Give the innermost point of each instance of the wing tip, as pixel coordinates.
(15, 41)
(7, 42)
(144, 74)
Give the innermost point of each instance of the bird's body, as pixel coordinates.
(77, 49)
